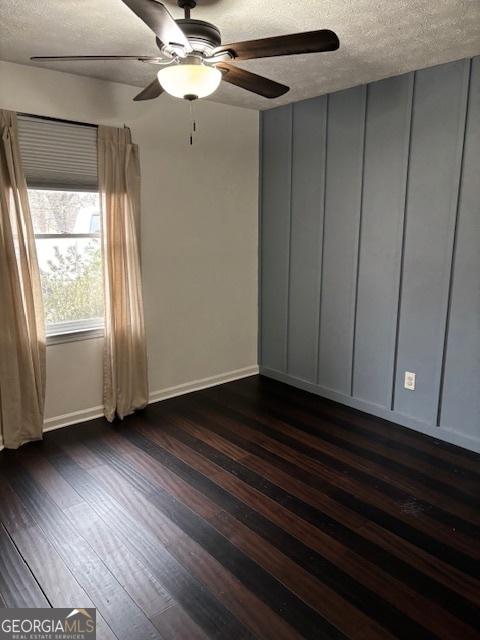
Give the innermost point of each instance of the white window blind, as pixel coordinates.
(58, 155)
(60, 164)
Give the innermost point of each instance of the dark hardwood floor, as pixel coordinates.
(249, 510)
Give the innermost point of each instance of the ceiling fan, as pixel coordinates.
(194, 60)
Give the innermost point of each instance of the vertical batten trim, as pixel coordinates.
(259, 240)
(453, 234)
(322, 246)
(399, 249)
(320, 236)
(402, 242)
(359, 241)
(289, 249)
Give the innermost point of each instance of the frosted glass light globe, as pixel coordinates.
(189, 80)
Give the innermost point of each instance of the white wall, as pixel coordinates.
(199, 233)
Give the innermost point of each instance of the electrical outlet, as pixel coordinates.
(409, 381)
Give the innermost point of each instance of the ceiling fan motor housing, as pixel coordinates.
(203, 36)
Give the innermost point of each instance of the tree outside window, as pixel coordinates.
(67, 231)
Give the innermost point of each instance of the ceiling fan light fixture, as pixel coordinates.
(189, 81)
(197, 59)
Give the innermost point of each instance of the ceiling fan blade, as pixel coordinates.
(308, 42)
(251, 82)
(87, 58)
(153, 90)
(157, 17)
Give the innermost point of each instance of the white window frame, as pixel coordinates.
(71, 330)
(59, 155)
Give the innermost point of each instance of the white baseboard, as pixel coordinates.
(83, 415)
(203, 383)
(75, 417)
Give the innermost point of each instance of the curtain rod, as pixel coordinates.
(82, 124)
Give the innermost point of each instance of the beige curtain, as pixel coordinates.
(22, 331)
(125, 360)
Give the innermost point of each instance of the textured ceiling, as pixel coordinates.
(378, 38)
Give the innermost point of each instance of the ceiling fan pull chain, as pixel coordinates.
(193, 122)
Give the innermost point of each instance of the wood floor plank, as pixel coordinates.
(346, 525)
(436, 467)
(363, 572)
(262, 584)
(137, 581)
(257, 387)
(199, 564)
(18, 587)
(404, 505)
(175, 624)
(142, 587)
(113, 603)
(331, 475)
(165, 479)
(56, 487)
(312, 429)
(147, 536)
(12, 512)
(326, 595)
(360, 462)
(56, 580)
(251, 510)
(58, 583)
(241, 421)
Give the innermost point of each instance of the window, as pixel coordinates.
(67, 232)
(60, 164)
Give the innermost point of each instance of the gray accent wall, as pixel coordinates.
(370, 248)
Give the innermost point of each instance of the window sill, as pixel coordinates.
(74, 336)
